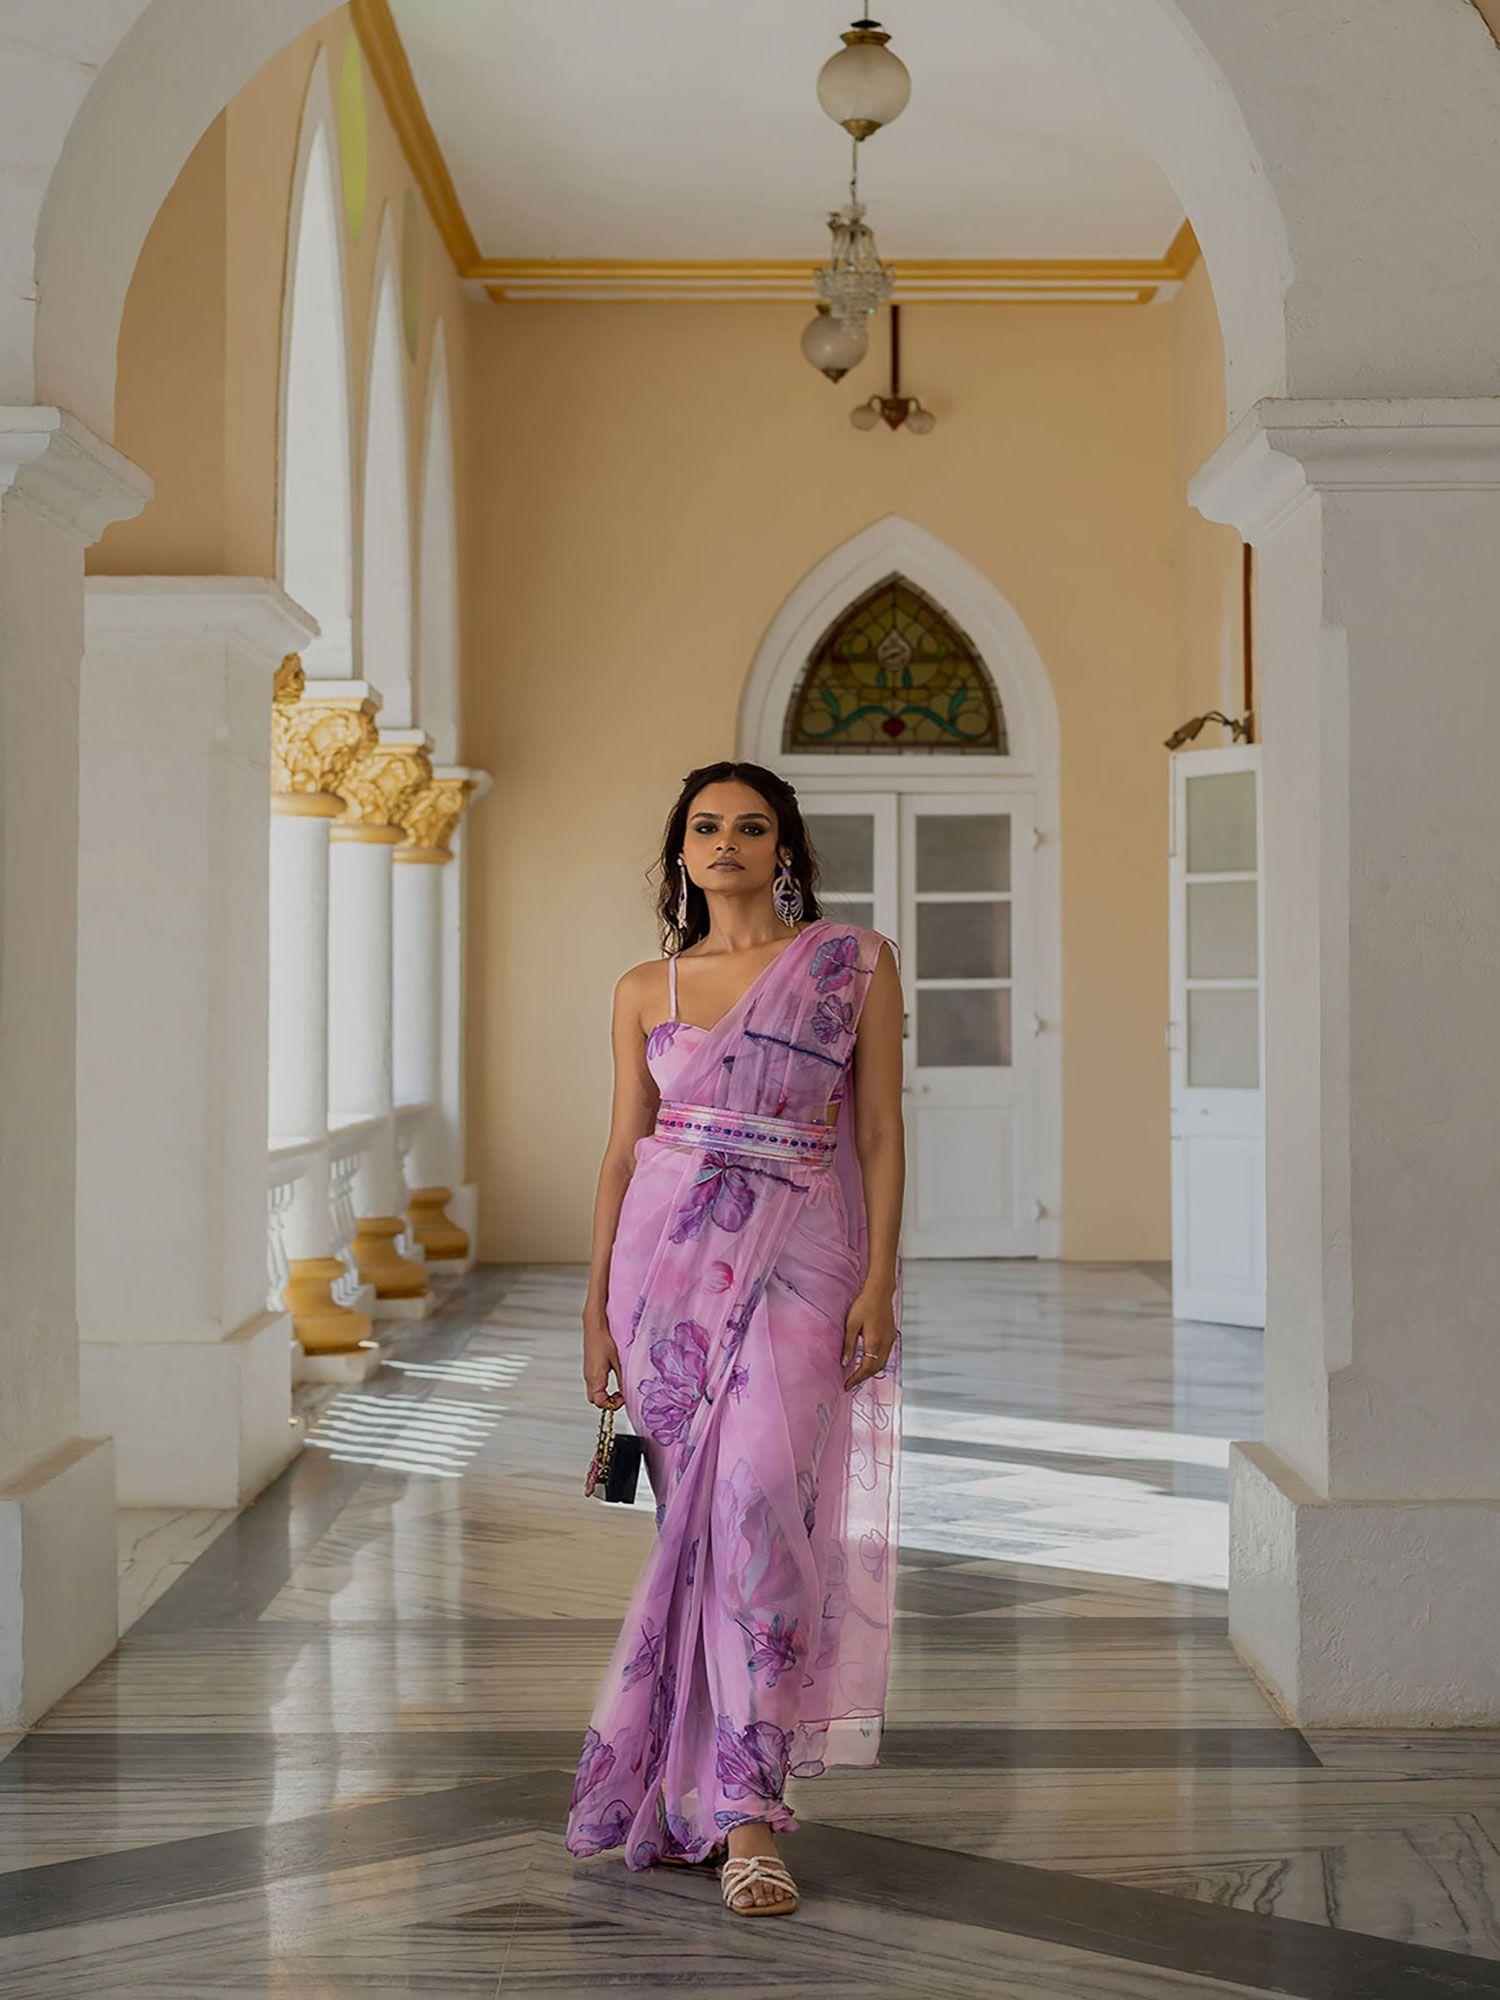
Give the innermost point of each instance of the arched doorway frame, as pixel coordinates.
(1030, 769)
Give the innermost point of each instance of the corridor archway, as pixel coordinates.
(1265, 136)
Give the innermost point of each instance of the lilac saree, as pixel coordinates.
(757, 1642)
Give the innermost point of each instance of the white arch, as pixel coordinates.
(437, 565)
(965, 593)
(314, 515)
(385, 567)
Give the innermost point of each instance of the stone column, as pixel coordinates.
(60, 487)
(423, 1022)
(376, 789)
(315, 738)
(1365, 1529)
(173, 896)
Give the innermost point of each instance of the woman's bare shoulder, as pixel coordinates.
(641, 983)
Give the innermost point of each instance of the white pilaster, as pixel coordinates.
(1365, 1530)
(429, 1007)
(317, 734)
(361, 1007)
(59, 488)
(172, 982)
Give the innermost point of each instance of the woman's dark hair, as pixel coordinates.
(791, 834)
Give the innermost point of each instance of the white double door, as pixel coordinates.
(1217, 1039)
(948, 876)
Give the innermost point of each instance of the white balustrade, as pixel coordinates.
(289, 1163)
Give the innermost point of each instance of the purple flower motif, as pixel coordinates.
(738, 1321)
(659, 1722)
(728, 1819)
(721, 1194)
(593, 1836)
(833, 962)
(645, 1660)
(872, 1550)
(637, 1311)
(645, 1853)
(807, 1493)
(594, 1766)
(662, 1037)
(669, 1398)
(739, 1379)
(832, 1018)
(750, 1762)
(680, 1836)
(773, 1648)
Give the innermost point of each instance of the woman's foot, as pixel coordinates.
(747, 1843)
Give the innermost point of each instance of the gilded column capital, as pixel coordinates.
(432, 815)
(316, 735)
(379, 784)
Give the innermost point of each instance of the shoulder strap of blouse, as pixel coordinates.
(672, 987)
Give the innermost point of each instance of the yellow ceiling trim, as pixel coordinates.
(949, 280)
(386, 56)
(773, 280)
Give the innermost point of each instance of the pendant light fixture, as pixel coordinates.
(835, 345)
(862, 88)
(895, 408)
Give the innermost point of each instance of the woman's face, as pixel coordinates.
(729, 844)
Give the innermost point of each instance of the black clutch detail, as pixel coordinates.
(615, 1469)
(625, 1463)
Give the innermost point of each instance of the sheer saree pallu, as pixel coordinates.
(757, 1642)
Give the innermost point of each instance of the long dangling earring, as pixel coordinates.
(682, 897)
(786, 895)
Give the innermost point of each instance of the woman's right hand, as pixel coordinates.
(600, 1355)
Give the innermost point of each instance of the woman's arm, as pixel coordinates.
(879, 1140)
(632, 1114)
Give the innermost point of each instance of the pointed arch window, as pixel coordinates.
(894, 673)
(315, 503)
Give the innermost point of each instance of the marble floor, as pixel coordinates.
(333, 1752)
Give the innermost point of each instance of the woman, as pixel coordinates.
(745, 1293)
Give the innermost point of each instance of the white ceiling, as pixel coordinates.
(691, 129)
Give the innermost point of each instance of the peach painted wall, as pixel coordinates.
(205, 311)
(648, 484)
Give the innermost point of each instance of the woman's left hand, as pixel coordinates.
(871, 1323)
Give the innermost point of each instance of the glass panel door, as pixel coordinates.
(970, 1054)
(1218, 1116)
(854, 837)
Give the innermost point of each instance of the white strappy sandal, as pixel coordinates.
(744, 1871)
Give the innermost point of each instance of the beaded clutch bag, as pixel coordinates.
(615, 1468)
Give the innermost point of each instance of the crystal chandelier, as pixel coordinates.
(853, 283)
(862, 88)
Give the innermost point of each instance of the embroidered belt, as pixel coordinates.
(709, 1126)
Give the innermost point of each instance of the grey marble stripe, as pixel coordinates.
(239, 1573)
(103, 1759)
(173, 1872)
(1197, 1482)
(1267, 1954)
(976, 1749)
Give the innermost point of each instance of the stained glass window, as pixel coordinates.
(895, 673)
